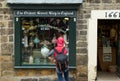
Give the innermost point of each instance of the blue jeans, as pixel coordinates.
(66, 76)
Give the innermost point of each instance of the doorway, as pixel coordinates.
(97, 15)
(108, 50)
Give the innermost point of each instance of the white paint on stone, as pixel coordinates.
(92, 49)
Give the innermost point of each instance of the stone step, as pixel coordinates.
(44, 78)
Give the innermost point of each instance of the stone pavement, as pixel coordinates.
(106, 76)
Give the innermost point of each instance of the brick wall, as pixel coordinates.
(7, 71)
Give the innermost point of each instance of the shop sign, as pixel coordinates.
(107, 54)
(44, 13)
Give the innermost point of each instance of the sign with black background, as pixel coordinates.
(45, 13)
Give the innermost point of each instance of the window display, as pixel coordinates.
(39, 36)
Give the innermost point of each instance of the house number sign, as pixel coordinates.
(112, 14)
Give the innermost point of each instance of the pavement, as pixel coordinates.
(107, 76)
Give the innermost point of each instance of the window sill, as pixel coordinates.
(40, 67)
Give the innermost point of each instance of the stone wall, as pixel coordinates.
(84, 13)
(7, 71)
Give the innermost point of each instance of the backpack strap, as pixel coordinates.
(56, 51)
(63, 50)
(59, 64)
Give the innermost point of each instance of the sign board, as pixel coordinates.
(45, 13)
(45, 1)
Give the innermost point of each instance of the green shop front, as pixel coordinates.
(36, 27)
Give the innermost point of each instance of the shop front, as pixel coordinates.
(29, 29)
(36, 32)
(37, 25)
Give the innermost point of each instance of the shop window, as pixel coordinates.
(39, 36)
(36, 36)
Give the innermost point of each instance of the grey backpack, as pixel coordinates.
(61, 60)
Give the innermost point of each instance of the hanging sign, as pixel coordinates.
(46, 13)
(107, 54)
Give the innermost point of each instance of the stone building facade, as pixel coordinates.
(7, 71)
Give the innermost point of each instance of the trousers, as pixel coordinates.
(66, 76)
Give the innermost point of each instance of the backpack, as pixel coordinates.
(61, 60)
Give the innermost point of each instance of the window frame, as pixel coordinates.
(17, 45)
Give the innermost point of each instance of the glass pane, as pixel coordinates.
(39, 36)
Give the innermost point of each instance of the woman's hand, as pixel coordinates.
(52, 60)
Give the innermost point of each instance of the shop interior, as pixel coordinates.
(39, 36)
(108, 49)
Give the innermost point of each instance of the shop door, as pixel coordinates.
(107, 44)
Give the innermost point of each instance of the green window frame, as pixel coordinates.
(18, 48)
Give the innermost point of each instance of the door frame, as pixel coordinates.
(92, 38)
